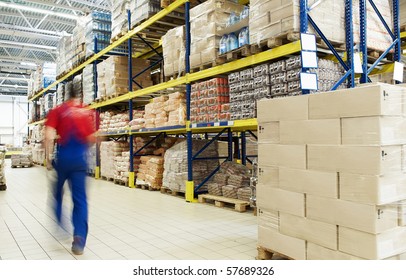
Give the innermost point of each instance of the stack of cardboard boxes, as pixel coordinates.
(113, 76)
(174, 51)
(206, 22)
(277, 18)
(331, 174)
(119, 17)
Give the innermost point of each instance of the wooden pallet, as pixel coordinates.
(339, 46)
(241, 52)
(21, 166)
(208, 65)
(121, 182)
(276, 41)
(172, 192)
(107, 179)
(268, 254)
(118, 36)
(146, 187)
(221, 201)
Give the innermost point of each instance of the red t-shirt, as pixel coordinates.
(70, 119)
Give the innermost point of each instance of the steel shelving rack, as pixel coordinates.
(241, 128)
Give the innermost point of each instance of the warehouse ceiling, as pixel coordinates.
(29, 35)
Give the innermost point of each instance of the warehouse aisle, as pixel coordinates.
(124, 224)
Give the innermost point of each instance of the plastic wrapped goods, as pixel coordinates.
(175, 166)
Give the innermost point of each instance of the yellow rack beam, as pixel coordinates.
(262, 57)
(117, 43)
(147, 53)
(403, 34)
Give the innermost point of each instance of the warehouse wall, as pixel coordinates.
(13, 120)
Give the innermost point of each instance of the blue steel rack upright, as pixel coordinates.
(306, 19)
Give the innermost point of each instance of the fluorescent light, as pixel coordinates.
(37, 10)
(13, 86)
(28, 64)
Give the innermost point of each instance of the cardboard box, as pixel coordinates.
(372, 246)
(268, 176)
(371, 100)
(317, 252)
(283, 244)
(289, 109)
(268, 219)
(371, 189)
(284, 201)
(314, 231)
(401, 212)
(293, 156)
(367, 160)
(374, 131)
(309, 182)
(311, 132)
(368, 218)
(268, 133)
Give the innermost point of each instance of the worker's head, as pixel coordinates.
(74, 94)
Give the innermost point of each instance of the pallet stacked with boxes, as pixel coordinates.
(119, 18)
(279, 20)
(331, 174)
(206, 22)
(174, 51)
(97, 26)
(112, 76)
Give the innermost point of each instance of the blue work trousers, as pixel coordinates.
(71, 167)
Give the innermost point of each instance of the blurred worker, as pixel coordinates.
(74, 126)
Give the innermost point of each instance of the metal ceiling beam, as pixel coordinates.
(28, 34)
(20, 45)
(37, 10)
(13, 71)
(38, 17)
(60, 6)
(36, 30)
(14, 79)
(14, 86)
(20, 59)
(92, 4)
(16, 65)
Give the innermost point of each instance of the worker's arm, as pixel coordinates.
(50, 136)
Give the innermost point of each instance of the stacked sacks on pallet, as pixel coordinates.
(176, 167)
(231, 181)
(151, 169)
(109, 150)
(2, 176)
(21, 160)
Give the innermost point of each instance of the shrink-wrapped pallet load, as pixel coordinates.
(119, 18)
(112, 76)
(175, 165)
(331, 174)
(21, 160)
(174, 51)
(109, 150)
(207, 20)
(2, 174)
(280, 18)
(210, 101)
